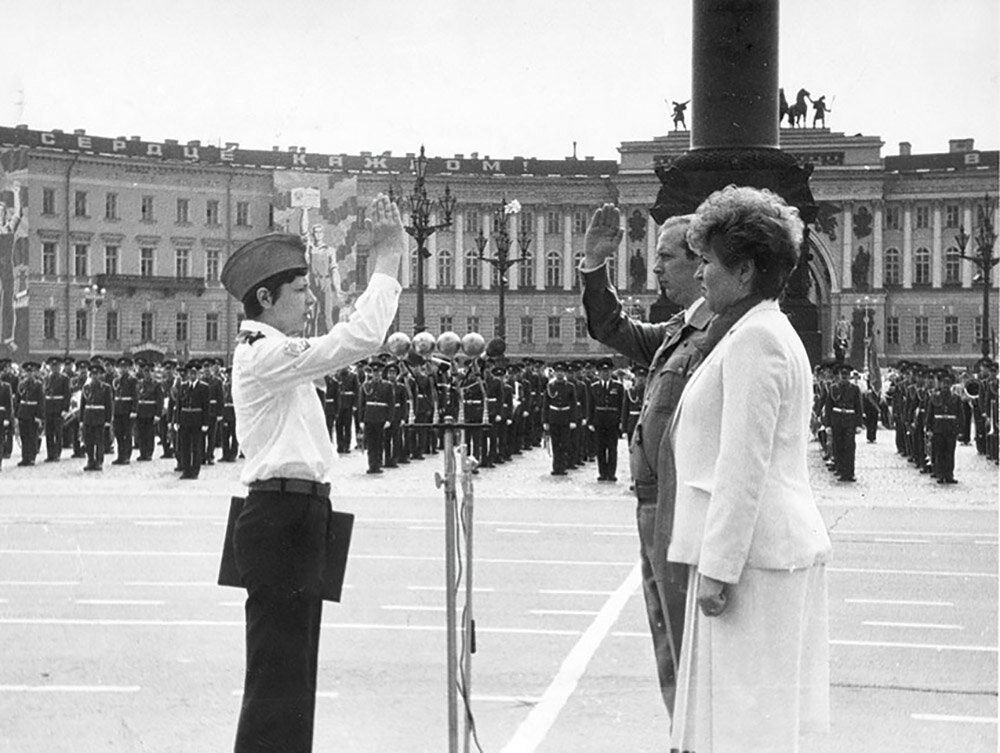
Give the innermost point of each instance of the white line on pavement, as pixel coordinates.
(950, 718)
(426, 528)
(413, 608)
(945, 534)
(69, 688)
(985, 543)
(319, 693)
(40, 582)
(159, 522)
(901, 541)
(170, 583)
(121, 602)
(901, 602)
(577, 612)
(232, 603)
(572, 592)
(522, 699)
(541, 718)
(614, 533)
(920, 625)
(515, 530)
(858, 644)
(875, 571)
(441, 588)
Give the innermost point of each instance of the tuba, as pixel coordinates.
(971, 389)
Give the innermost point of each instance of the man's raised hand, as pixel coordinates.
(388, 239)
(604, 236)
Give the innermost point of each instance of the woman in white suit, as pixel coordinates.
(754, 670)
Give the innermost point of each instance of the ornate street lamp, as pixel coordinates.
(93, 297)
(502, 262)
(985, 238)
(420, 227)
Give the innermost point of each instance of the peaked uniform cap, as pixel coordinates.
(263, 257)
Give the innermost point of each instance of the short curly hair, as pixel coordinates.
(756, 225)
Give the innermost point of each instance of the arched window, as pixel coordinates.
(553, 270)
(526, 270)
(922, 266)
(445, 268)
(891, 277)
(577, 258)
(473, 269)
(952, 266)
(613, 269)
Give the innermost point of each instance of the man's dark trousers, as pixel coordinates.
(280, 545)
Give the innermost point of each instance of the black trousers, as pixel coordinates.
(123, 436)
(606, 439)
(280, 546)
(943, 454)
(190, 444)
(844, 447)
(145, 433)
(345, 419)
(559, 436)
(93, 442)
(29, 439)
(375, 443)
(53, 436)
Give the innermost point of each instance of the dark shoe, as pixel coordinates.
(951, 480)
(374, 470)
(848, 478)
(558, 473)
(26, 462)
(612, 478)
(189, 475)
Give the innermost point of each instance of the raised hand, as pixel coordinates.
(388, 239)
(604, 236)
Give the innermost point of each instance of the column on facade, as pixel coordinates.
(907, 245)
(936, 263)
(568, 267)
(622, 278)
(515, 252)
(968, 268)
(431, 267)
(847, 228)
(485, 268)
(651, 238)
(878, 252)
(540, 249)
(459, 255)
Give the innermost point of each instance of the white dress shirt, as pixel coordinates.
(279, 419)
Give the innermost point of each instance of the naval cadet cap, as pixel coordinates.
(263, 257)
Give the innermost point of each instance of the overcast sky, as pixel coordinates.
(509, 78)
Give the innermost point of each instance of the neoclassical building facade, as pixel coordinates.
(114, 245)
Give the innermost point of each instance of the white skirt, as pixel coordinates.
(757, 678)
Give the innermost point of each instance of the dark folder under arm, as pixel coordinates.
(338, 543)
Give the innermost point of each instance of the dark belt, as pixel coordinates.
(291, 486)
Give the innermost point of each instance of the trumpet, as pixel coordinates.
(969, 390)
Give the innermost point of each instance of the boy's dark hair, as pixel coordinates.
(251, 306)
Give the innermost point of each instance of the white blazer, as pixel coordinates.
(740, 437)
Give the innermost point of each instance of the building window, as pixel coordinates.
(48, 201)
(49, 324)
(182, 262)
(527, 329)
(80, 253)
(111, 260)
(892, 218)
(921, 330)
(82, 315)
(472, 324)
(111, 206)
(923, 218)
(183, 211)
(181, 329)
(580, 328)
(146, 209)
(212, 212)
(553, 224)
(146, 261)
(892, 330)
(80, 204)
(473, 269)
(446, 323)
(243, 213)
(922, 266)
(445, 268)
(49, 256)
(146, 323)
(212, 257)
(891, 276)
(580, 223)
(555, 328)
(577, 259)
(526, 270)
(111, 326)
(472, 222)
(951, 330)
(553, 270)
(952, 266)
(951, 215)
(527, 221)
(212, 327)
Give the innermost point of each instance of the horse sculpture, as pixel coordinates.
(796, 113)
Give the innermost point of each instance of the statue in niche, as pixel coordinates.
(862, 222)
(859, 269)
(636, 272)
(826, 219)
(637, 226)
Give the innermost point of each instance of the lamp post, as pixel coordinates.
(420, 227)
(93, 297)
(985, 238)
(502, 262)
(866, 303)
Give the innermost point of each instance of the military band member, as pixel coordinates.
(57, 397)
(191, 419)
(606, 399)
(72, 428)
(124, 386)
(844, 415)
(560, 416)
(473, 397)
(632, 404)
(872, 406)
(227, 422)
(148, 410)
(944, 411)
(8, 376)
(331, 401)
(211, 376)
(6, 411)
(423, 411)
(30, 412)
(378, 403)
(349, 396)
(96, 412)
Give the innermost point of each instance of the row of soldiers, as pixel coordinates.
(103, 405)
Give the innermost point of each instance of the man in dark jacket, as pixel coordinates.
(378, 403)
(148, 408)
(606, 398)
(125, 386)
(57, 397)
(191, 418)
(30, 412)
(96, 412)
